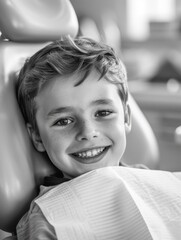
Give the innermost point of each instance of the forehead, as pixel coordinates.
(62, 91)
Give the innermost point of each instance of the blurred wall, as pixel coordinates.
(98, 10)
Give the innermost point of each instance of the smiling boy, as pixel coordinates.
(74, 98)
(82, 128)
(75, 114)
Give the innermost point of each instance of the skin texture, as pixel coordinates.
(77, 122)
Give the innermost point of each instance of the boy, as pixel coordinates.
(74, 98)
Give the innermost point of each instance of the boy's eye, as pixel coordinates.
(103, 113)
(63, 122)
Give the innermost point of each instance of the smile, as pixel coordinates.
(90, 155)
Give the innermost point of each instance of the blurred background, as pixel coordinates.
(147, 36)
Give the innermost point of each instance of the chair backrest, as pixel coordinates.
(28, 26)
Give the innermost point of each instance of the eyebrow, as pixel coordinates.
(59, 110)
(70, 109)
(104, 101)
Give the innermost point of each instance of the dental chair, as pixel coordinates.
(26, 27)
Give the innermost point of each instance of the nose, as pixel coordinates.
(87, 131)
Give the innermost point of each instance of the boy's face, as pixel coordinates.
(81, 128)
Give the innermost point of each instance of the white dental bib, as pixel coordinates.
(116, 203)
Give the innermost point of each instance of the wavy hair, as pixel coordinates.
(64, 57)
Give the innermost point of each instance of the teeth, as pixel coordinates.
(90, 153)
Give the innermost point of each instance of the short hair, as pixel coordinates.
(64, 57)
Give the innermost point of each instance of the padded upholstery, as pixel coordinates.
(37, 21)
(142, 146)
(21, 167)
(18, 181)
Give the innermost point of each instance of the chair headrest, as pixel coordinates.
(34, 21)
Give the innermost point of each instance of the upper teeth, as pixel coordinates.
(90, 153)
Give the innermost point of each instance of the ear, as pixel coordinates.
(36, 139)
(128, 118)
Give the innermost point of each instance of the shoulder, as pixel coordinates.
(34, 209)
(35, 223)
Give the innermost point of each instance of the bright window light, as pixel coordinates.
(141, 12)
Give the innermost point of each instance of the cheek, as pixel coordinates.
(56, 144)
(55, 150)
(119, 139)
(117, 125)
(118, 132)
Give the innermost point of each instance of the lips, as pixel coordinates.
(90, 155)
